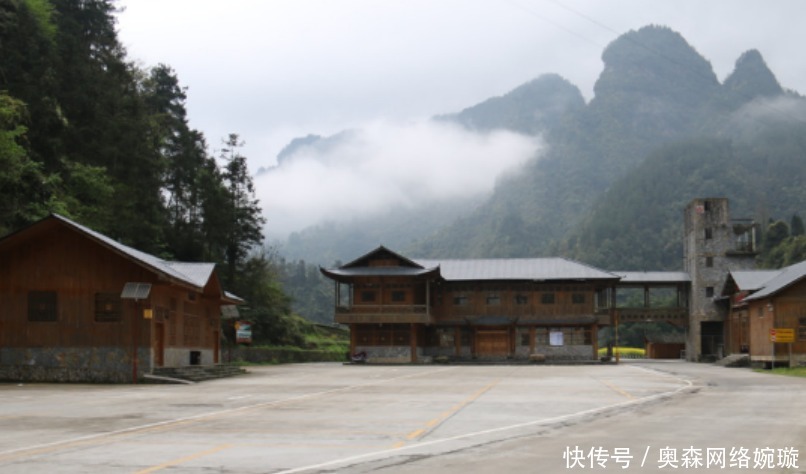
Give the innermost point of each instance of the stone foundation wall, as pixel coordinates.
(402, 354)
(72, 364)
(522, 352)
(386, 354)
(441, 351)
(566, 352)
(180, 357)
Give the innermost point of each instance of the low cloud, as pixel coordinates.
(763, 112)
(382, 166)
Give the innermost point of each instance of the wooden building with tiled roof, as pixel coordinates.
(761, 301)
(407, 310)
(78, 306)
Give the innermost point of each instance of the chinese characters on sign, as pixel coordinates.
(686, 458)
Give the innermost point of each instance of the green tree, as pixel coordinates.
(268, 308)
(776, 233)
(21, 178)
(244, 221)
(189, 172)
(28, 46)
(796, 226)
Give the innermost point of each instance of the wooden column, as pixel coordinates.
(428, 299)
(413, 342)
(532, 337)
(457, 340)
(353, 339)
(337, 295)
(595, 340)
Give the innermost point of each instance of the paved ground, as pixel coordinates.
(335, 418)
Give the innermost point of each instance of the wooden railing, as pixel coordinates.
(382, 314)
(676, 316)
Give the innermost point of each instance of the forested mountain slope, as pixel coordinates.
(655, 89)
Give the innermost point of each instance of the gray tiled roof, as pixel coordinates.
(654, 277)
(194, 274)
(752, 280)
(785, 277)
(379, 271)
(198, 273)
(516, 269)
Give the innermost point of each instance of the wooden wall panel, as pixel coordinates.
(61, 260)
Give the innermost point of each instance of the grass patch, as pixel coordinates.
(320, 344)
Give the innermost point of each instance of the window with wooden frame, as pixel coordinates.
(108, 307)
(43, 306)
(367, 296)
(547, 298)
(460, 300)
(802, 329)
(493, 299)
(521, 299)
(578, 298)
(398, 296)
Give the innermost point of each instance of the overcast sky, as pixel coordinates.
(272, 70)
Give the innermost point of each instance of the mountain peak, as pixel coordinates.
(530, 108)
(656, 60)
(752, 78)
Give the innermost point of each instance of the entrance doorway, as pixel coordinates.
(712, 340)
(492, 343)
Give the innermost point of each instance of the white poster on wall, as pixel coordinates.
(555, 338)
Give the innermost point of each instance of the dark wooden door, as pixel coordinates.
(159, 345)
(492, 343)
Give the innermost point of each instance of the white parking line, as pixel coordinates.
(687, 385)
(38, 449)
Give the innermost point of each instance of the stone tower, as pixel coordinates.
(713, 245)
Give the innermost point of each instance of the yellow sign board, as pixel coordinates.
(782, 335)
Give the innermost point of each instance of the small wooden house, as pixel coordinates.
(404, 310)
(766, 300)
(76, 305)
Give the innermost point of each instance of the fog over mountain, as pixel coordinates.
(657, 101)
(384, 166)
